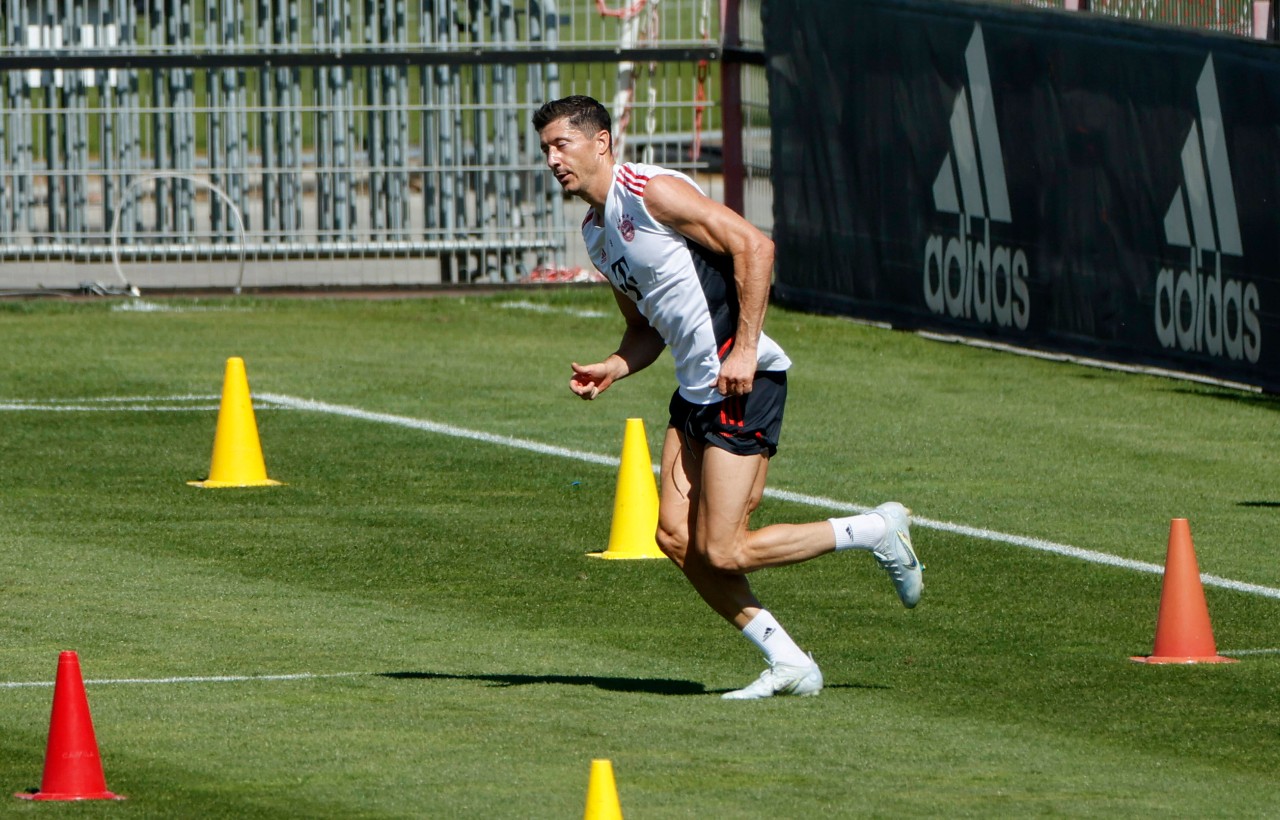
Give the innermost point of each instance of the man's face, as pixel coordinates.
(572, 155)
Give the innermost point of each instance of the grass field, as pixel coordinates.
(424, 565)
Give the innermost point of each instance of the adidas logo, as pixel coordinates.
(966, 276)
(1197, 310)
(768, 630)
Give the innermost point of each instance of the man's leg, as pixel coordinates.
(681, 510)
(728, 593)
(732, 486)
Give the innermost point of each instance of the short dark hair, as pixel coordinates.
(584, 113)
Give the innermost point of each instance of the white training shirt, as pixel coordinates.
(685, 291)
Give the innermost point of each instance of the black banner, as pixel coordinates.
(1049, 179)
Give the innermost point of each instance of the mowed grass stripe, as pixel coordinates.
(828, 504)
(275, 400)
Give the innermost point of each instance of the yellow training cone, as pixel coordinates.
(237, 453)
(635, 502)
(602, 793)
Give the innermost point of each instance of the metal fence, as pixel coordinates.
(365, 142)
(1231, 16)
(351, 135)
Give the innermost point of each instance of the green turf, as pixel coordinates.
(480, 661)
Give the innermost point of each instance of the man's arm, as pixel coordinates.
(679, 205)
(640, 347)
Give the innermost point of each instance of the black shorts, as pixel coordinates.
(745, 425)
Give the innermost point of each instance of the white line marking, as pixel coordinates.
(435, 427)
(830, 504)
(110, 399)
(203, 679)
(1041, 545)
(121, 404)
(120, 408)
(1249, 652)
(144, 306)
(1085, 361)
(540, 308)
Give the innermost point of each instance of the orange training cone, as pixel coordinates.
(1183, 632)
(602, 793)
(72, 768)
(237, 452)
(635, 502)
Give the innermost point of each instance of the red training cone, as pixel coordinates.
(72, 768)
(1183, 632)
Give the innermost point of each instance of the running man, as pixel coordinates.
(690, 274)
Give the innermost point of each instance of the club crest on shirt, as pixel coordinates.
(627, 228)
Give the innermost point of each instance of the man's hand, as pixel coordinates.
(640, 345)
(590, 380)
(737, 373)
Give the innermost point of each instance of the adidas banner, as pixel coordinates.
(1055, 180)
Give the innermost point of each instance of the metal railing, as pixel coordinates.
(189, 130)
(1230, 16)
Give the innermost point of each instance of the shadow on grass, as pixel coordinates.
(1258, 503)
(647, 686)
(650, 686)
(1267, 401)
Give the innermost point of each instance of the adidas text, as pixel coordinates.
(1205, 314)
(974, 280)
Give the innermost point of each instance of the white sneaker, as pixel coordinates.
(895, 554)
(782, 679)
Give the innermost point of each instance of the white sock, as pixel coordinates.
(860, 532)
(766, 633)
